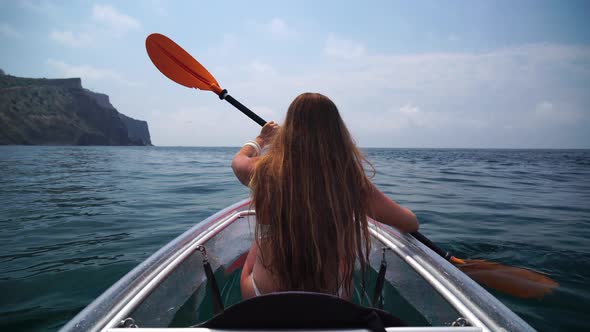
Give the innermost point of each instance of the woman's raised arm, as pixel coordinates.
(243, 164)
(244, 161)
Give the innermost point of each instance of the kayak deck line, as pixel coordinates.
(156, 291)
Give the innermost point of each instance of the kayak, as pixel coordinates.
(193, 283)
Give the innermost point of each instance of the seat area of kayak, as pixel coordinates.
(172, 290)
(300, 310)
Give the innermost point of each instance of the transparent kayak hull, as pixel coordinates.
(169, 289)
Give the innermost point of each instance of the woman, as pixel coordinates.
(312, 199)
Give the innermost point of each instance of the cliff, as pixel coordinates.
(61, 112)
(137, 130)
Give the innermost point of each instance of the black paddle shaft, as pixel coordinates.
(242, 108)
(425, 241)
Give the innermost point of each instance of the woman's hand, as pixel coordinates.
(244, 161)
(267, 133)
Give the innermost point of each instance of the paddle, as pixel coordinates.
(519, 282)
(176, 64)
(179, 66)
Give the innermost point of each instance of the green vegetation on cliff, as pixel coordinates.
(61, 112)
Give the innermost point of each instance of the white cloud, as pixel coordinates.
(278, 28)
(106, 21)
(159, 7)
(523, 96)
(275, 28)
(471, 99)
(6, 30)
(71, 39)
(410, 115)
(260, 68)
(111, 17)
(544, 108)
(343, 48)
(87, 72)
(483, 76)
(410, 118)
(226, 46)
(453, 37)
(547, 113)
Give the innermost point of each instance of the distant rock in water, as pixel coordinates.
(39, 111)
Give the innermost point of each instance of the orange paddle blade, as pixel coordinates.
(515, 281)
(176, 64)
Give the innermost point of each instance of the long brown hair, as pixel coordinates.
(310, 194)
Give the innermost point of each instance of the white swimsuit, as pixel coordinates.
(256, 290)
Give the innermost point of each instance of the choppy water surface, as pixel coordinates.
(73, 220)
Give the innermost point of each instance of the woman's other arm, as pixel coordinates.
(385, 210)
(244, 161)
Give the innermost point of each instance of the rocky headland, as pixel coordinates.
(39, 111)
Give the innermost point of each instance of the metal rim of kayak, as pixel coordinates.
(462, 293)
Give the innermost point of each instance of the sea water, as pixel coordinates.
(73, 220)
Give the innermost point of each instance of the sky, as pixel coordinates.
(416, 74)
